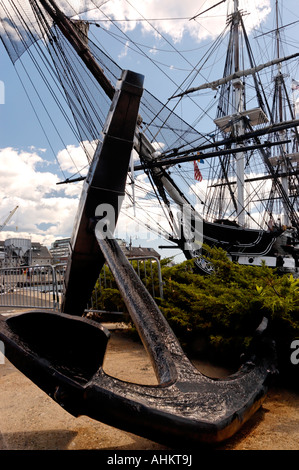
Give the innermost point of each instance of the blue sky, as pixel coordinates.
(29, 170)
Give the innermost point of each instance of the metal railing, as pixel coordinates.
(41, 286)
(146, 268)
(31, 287)
(153, 262)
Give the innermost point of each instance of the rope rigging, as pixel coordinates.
(161, 125)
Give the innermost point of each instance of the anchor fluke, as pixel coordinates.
(58, 352)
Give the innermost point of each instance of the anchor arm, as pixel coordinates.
(154, 331)
(63, 355)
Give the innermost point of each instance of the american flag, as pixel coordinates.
(197, 173)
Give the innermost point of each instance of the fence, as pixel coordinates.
(41, 286)
(149, 264)
(31, 287)
(149, 271)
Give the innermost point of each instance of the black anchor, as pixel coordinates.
(63, 353)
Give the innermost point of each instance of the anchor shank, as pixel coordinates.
(154, 331)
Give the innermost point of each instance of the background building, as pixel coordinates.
(40, 255)
(137, 251)
(23, 252)
(60, 250)
(17, 251)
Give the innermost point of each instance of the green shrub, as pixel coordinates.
(226, 307)
(221, 311)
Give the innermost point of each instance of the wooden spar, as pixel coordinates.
(217, 153)
(241, 73)
(69, 31)
(249, 135)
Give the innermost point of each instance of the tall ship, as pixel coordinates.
(251, 208)
(249, 151)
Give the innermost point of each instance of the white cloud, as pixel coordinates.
(74, 159)
(209, 24)
(19, 175)
(124, 52)
(41, 202)
(47, 211)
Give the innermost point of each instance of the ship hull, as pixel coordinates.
(247, 246)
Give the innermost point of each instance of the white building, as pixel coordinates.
(60, 250)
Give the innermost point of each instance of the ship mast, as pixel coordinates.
(233, 118)
(279, 78)
(239, 124)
